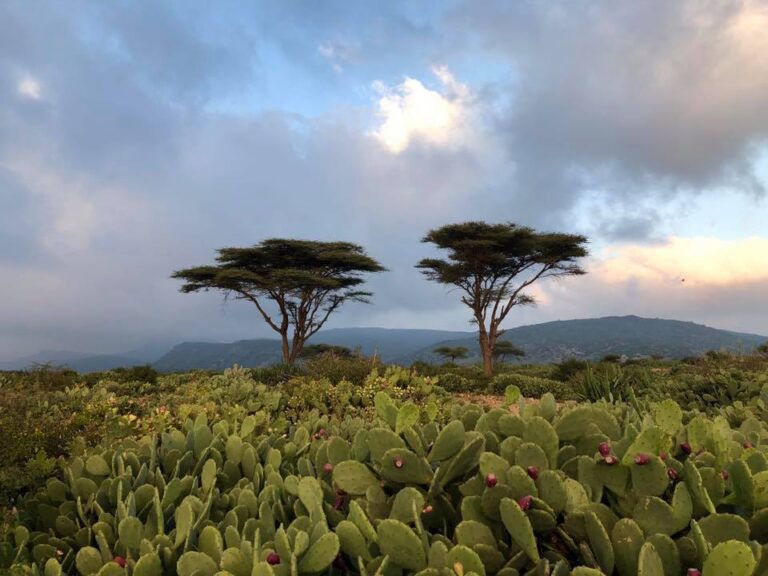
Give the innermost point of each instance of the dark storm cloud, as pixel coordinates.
(638, 97)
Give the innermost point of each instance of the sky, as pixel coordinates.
(136, 137)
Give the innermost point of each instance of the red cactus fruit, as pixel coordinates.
(119, 560)
(747, 445)
(673, 475)
(725, 474)
(685, 447)
(533, 472)
(427, 509)
(273, 558)
(610, 460)
(604, 448)
(642, 459)
(525, 502)
(491, 480)
(398, 462)
(694, 572)
(327, 467)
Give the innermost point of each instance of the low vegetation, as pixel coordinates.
(340, 465)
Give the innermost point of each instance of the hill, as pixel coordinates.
(593, 338)
(390, 345)
(543, 343)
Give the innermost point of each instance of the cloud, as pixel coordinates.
(697, 262)
(638, 99)
(707, 280)
(29, 87)
(412, 112)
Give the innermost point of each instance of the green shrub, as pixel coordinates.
(337, 368)
(568, 369)
(455, 383)
(531, 386)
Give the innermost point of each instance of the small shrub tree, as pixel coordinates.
(505, 348)
(452, 352)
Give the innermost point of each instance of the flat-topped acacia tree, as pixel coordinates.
(504, 348)
(452, 352)
(305, 280)
(493, 264)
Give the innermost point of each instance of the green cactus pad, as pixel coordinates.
(668, 416)
(649, 479)
(88, 561)
(719, 528)
(465, 558)
(195, 564)
(402, 545)
(402, 465)
(519, 527)
(599, 542)
(148, 565)
(407, 416)
(627, 539)
(652, 440)
(732, 558)
(320, 554)
(471, 532)
(130, 531)
(354, 477)
(352, 542)
(96, 466)
(448, 442)
(405, 503)
(649, 562)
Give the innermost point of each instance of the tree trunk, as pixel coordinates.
(286, 349)
(487, 352)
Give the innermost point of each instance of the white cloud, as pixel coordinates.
(412, 112)
(29, 87)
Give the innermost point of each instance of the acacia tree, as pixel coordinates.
(315, 350)
(305, 280)
(452, 352)
(505, 348)
(493, 264)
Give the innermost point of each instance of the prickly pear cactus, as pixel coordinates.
(587, 489)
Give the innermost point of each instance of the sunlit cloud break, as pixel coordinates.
(694, 261)
(410, 111)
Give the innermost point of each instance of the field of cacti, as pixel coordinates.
(220, 474)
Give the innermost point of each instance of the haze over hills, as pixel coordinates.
(542, 343)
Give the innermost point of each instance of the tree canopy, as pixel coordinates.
(315, 350)
(306, 281)
(493, 265)
(452, 352)
(506, 348)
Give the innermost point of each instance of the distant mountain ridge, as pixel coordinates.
(543, 343)
(593, 338)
